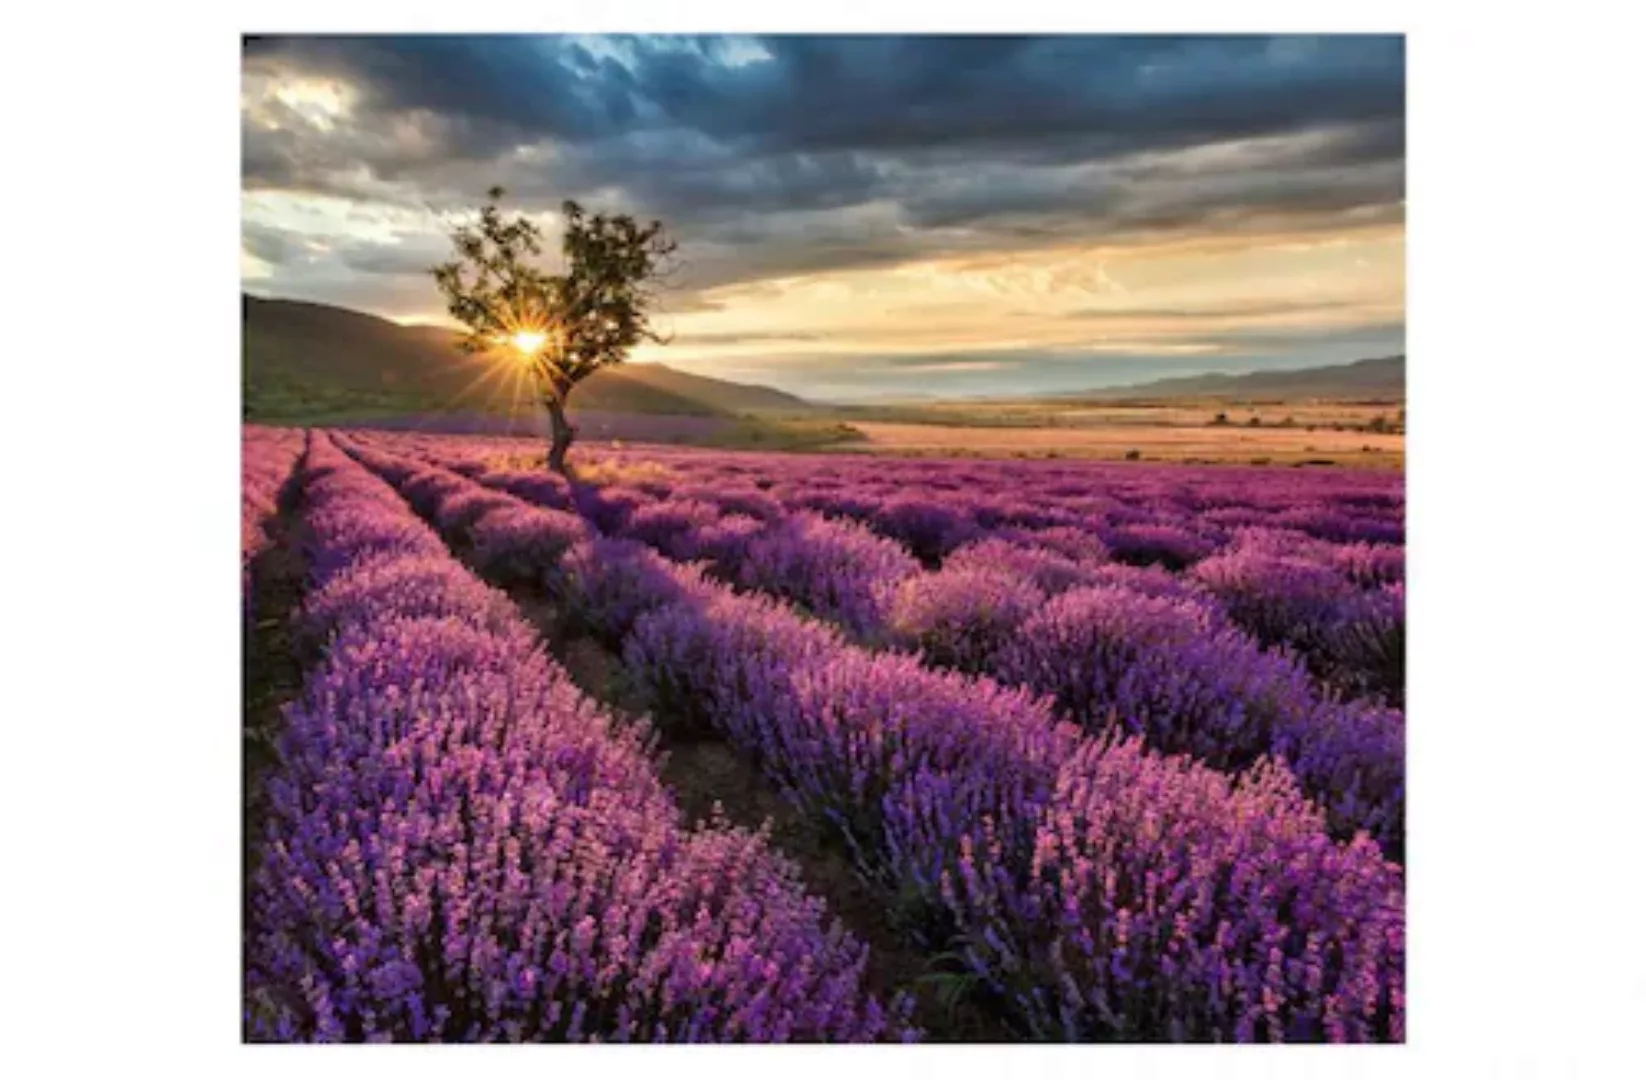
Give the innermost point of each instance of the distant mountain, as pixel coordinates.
(1380, 377)
(313, 362)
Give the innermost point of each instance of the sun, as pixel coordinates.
(528, 341)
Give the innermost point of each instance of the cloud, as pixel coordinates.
(1246, 310)
(749, 338)
(956, 365)
(268, 245)
(751, 148)
(1032, 370)
(784, 158)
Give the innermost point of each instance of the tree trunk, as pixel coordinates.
(560, 434)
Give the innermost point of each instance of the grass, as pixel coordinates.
(1346, 414)
(749, 433)
(603, 471)
(1167, 443)
(1183, 431)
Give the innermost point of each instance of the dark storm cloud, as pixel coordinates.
(499, 84)
(830, 93)
(887, 93)
(785, 155)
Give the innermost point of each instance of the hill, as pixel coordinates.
(1381, 378)
(720, 395)
(312, 363)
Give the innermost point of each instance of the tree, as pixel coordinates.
(564, 326)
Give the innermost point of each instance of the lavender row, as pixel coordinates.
(1125, 650)
(1340, 605)
(836, 568)
(268, 457)
(1342, 609)
(1146, 654)
(1336, 505)
(462, 847)
(1231, 496)
(1169, 515)
(1096, 889)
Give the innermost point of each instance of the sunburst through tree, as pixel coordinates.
(562, 326)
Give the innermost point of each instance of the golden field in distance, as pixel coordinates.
(1353, 434)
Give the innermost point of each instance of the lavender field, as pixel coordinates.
(717, 746)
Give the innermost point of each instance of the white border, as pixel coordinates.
(1526, 749)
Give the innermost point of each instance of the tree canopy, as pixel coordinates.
(567, 324)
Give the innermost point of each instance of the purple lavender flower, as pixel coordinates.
(460, 847)
(1188, 683)
(1096, 889)
(524, 543)
(961, 616)
(1164, 900)
(835, 569)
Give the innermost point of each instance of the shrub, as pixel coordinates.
(521, 543)
(1179, 676)
(1166, 901)
(1143, 544)
(1042, 566)
(835, 569)
(961, 615)
(929, 528)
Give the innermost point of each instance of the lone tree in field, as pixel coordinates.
(563, 326)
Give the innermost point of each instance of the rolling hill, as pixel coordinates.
(1381, 377)
(312, 362)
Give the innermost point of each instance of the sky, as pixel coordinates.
(865, 217)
